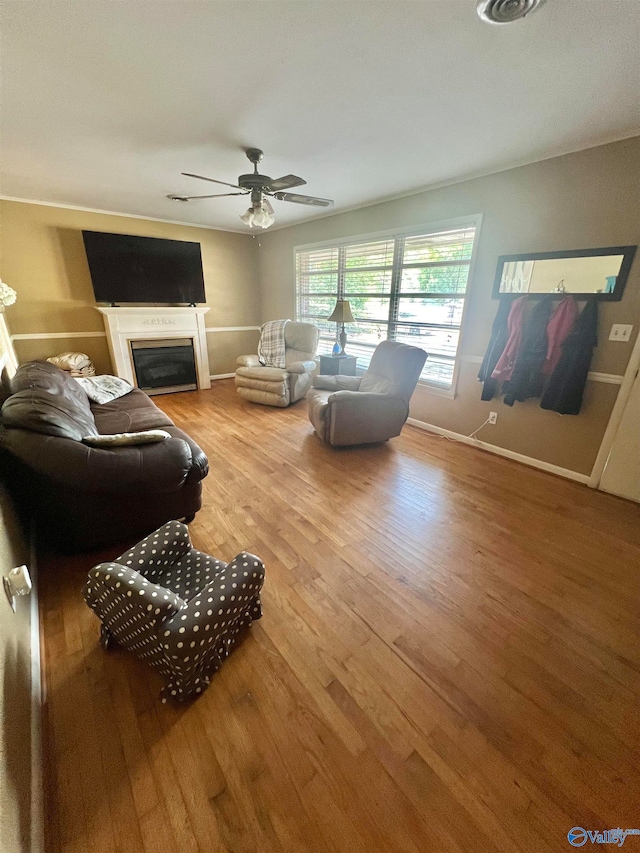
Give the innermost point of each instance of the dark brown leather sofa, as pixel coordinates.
(83, 497)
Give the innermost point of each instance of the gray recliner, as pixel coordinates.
(371, 408)
(176, 608)
(274, 386)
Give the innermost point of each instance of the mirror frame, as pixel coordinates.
(628, 253)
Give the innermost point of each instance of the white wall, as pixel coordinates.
(622, 473)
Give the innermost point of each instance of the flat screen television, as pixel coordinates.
(143, 269)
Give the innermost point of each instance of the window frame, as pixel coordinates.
(398, 235)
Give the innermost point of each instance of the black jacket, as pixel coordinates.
(526, 379)
(566, 385)
(497, 343)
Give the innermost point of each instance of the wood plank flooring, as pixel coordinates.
(448, 660)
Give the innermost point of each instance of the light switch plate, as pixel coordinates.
(620, 332)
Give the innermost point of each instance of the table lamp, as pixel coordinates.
(342, 314)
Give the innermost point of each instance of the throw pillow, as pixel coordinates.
(126, 439)
(104, 389)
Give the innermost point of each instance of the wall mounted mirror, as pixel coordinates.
(582, 273)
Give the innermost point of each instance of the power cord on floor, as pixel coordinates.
(471, 435)
(476, 431)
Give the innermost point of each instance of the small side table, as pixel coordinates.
(331, 365)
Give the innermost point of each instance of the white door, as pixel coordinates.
(622, 472)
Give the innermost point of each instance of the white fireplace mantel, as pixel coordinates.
(124, 325)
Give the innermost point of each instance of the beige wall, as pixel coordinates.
(583, 200)
(17, 835)
(42, 257)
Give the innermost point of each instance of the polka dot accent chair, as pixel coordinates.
(178, 609)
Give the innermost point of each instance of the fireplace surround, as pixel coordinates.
(126, 326)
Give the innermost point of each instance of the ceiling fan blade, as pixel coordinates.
(304, 199)
(213, 180)
(175, 197)
(286, 182)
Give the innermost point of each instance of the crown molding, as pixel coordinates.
(120, 213)
(469, 176)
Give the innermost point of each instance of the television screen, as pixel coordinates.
(143, 269)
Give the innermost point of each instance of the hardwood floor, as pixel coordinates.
(448, 660)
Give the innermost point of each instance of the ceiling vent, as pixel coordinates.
(506, 11)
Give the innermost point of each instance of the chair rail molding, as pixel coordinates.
(43, 336)
(594, 375)
(212, 329)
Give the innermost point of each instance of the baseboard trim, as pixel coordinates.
(222, 376)
(501, 451)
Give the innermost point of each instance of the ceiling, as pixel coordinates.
(105, 103)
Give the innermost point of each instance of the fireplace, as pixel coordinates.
(164, 365)
(158, 326)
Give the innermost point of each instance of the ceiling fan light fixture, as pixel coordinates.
(506, 11)
(259, 216)
(247, 217)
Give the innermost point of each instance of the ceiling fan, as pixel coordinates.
(260, 214)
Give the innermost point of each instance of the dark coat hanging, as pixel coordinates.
(566, 385)
(497, 343)
(526, 379)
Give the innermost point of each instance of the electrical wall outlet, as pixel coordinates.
(620, 332)
(493, 417)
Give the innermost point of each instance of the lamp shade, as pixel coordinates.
(342, 312)
(259, 215)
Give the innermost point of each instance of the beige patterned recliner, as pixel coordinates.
(274, 386)
(176, 608)
(371, 408)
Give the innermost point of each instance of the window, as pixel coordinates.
(407, 288)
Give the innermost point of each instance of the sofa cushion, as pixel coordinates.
(301, 341)
(307, 366)
(134, 412)
(318, 407)
(42, 375)
(264, 398)
(371, 383)
(265, 374)
(337, 382)
(52, 414)
(278, 388)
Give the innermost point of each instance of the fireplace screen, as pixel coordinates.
(165, 365)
